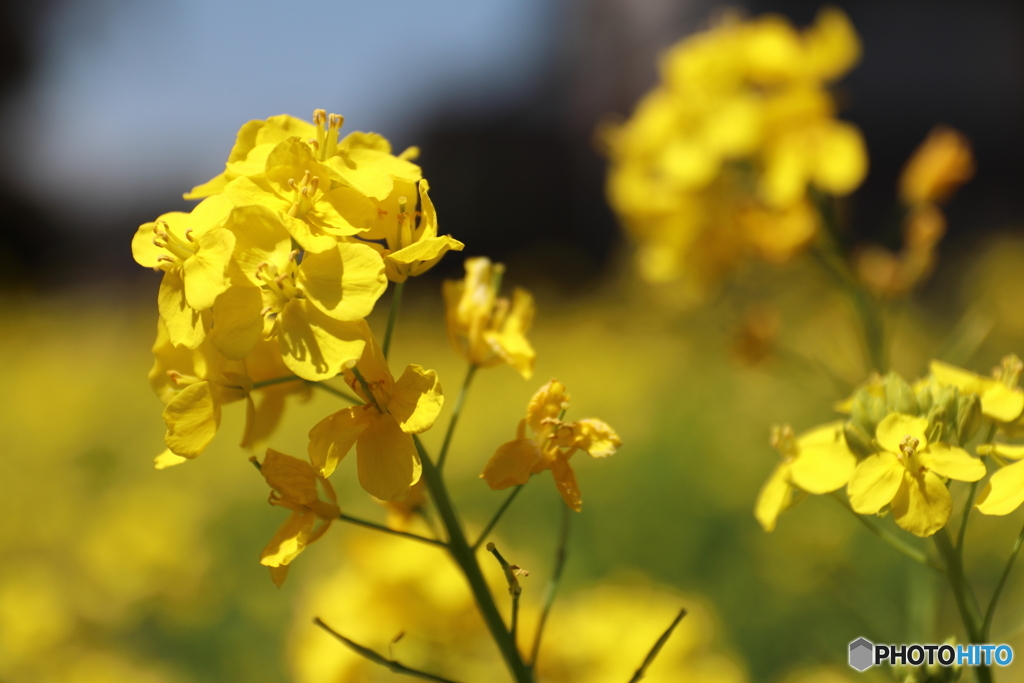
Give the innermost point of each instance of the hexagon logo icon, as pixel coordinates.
(861, 654)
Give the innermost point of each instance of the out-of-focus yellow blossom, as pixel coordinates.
(938, 167)
(381, 429)
(601, 635)
(715, 164)
(1002, 400)
(314, 307)
(362, 161)
(486, 329)
(194, 384)
(755, 336)
(194, 253)
(294, 487)
(401, 513)
(1004, 492)
(407, 238)
(818, 461)
(552, 444)
(909, 472)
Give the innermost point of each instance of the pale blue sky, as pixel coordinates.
(131, 95)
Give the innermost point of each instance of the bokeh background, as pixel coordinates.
(111, 108)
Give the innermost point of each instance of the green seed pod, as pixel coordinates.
(968, 416)
(858, 440)
(899, 396)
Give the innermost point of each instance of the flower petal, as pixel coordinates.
(923, 504)
(332, 438)
(184, 324)
(344, 282)
(823, 466)
(205, 272)
(597, 438)
(237, 323)
(547, 403)
(290, 540)
(511, 464)
(315, 346)
(167, 459)
(875, 482)
(387, 459)
(1004, 492)
(192, 419)
(952, 462)
(293, 478)
(896, 426)
(1002, 403)
(775, 496)
(565, 480)
(416, 399)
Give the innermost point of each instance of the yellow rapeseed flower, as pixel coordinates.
(381, 429)
(1004, 492)
(1001, 399)
(909, 473)
(818, 461)
(941, 164)
(293, 483)
(486, 329)
(551, 445)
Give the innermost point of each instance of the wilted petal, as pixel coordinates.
(332, 438)
(293, 478)
(511, 464)
(597, 438)
(565, 480)
(290, 540)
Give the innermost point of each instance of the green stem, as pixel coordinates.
(963, 520)
(552, 590)
(396, 303)
(892, 541)
(497, 515)
(388, 530)
(378, 658)
(967, 604)
(456, 411)
(276, 380)
(366, 388)
(465, 558)
(991, 611)
(660, 643)
(514, 589)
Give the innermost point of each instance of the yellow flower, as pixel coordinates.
(406, 238)
(265, 363)
(1004, 492)
(194, 254)
(382, 427)
(937, 168)
(313, 307)
(1001, 399)
(908, 472)
(818, 461)
(194, 384)
(362, 161)
(552, 444)
(483, 328)
(294, 487)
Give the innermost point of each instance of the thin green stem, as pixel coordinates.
(991, 611)
(388, 530)
(465, 558)
(660, 643)
(892, 541)
(366, 388)
(336, 392)
(497, 515)
(970, 501)
(966, 602)
(556, 576)
(396, 303)
(378, 658)
(514, 589)
(276, 380)
(456, 411)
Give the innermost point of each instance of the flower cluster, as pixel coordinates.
(902, 443)
(717, 162)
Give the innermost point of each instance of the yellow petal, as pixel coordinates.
(824, 463)
(260, 236)
(184, 324)
(293, 478)
(842, 159)
(565, 480)
(290, 540)
(416, 399)
(511, 464)
(205, 272)
(952, 462)
(775, 496)
(424, 253)
(144, 251)
(897, 426)
(510, 343)
(1002, 403)
(832, 46)
(923, 505)
(547, 403)
(595, 437)
(315, 346)
(343, 211)
(237, 323)
(345, 282)
(387, 459)
(1004, 450)
(875, 482)
(1004, 492)
(192, 419)
(332, 438)
(167, 459)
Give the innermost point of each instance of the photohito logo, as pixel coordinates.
(865, 654)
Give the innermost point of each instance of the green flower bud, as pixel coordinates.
(858, 440)
(968, 416)
(867, 411)
(899, 396)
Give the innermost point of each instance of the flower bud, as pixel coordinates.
(858, 440)
(899, 396)
(968, 416)
(867, 410)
